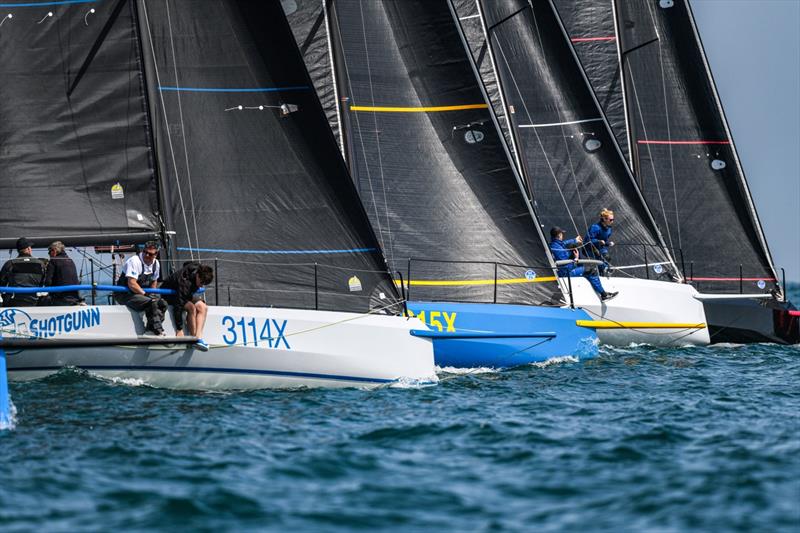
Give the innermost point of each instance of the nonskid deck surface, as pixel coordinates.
(652, 312)
(250, 348)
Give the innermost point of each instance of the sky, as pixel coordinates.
(753, 47)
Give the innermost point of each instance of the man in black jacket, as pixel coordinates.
(22, 271)
(186, 282)
(61, 271)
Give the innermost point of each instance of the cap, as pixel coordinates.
(23, 243)
(555, 231)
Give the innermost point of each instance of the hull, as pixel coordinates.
(499, 335)
(744, 321)
(651, 312)
(251, 348)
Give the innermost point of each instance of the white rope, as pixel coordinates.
(166, 127)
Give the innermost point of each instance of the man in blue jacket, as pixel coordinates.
(598, 239)
(562, 250)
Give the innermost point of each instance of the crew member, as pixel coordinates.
(186, 282)
(564, 250)
(61, 271)
(598, 239)
(22, 271)
(142, 271)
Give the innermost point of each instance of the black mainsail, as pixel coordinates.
(567, 151)
(74, 133)
(250, 169)
(427, 156)
(683, 152)
(592, 28)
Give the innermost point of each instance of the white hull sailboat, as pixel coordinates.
(645, 311)
(250, 348)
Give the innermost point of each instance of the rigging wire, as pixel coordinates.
(363, 147)
(167, 128)
(183, 129)
(666, 118)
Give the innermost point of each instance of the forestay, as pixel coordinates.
(235, 106)
(428, 159)
(74, 127)
(566, 149)
(683, 153)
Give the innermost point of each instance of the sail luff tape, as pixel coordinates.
(433, 109)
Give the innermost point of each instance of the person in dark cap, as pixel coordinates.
(568, 249)
(22, 271)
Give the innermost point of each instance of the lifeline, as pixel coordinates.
(77, 320)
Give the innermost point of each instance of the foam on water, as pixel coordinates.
(556, 361)
(466, 371)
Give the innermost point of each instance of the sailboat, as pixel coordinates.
(682, 153)
(135, 120)
(564, 147)
(426, 156)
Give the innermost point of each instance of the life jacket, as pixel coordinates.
(144, 280)
(26, 271)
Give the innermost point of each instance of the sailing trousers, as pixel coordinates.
(591, 275)
(153, 307)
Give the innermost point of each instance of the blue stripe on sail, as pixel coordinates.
(307, 375)
(276, 252)
(52, 3)
(234, 89)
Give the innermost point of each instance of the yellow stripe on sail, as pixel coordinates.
(610, 324)
(434, 109)
(472, 282)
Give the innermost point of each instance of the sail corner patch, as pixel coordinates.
(354, 284)
(117, 192)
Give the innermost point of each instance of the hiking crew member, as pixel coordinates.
(598, 239)
(186, 282)
(141, 272)
(563, 250)
(22, 271)
(60, 271)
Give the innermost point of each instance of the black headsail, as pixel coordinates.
(568, 153)
(683, 152)
(431, 166)
(251, 169)
(592, 28)
(76, 163)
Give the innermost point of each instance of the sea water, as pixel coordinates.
(690, 439)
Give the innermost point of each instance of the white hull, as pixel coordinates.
(652, 312)
(251, 348)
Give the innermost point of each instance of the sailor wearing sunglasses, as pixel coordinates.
(142, 271)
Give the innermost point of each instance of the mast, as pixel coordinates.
(517, 170)
(435, 177)
(743, 179)
(573, 164)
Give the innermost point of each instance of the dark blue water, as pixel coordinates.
(703, 439)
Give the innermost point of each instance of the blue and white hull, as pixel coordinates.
(251, 348)
(469, 335)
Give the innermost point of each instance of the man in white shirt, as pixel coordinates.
(141, 272)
